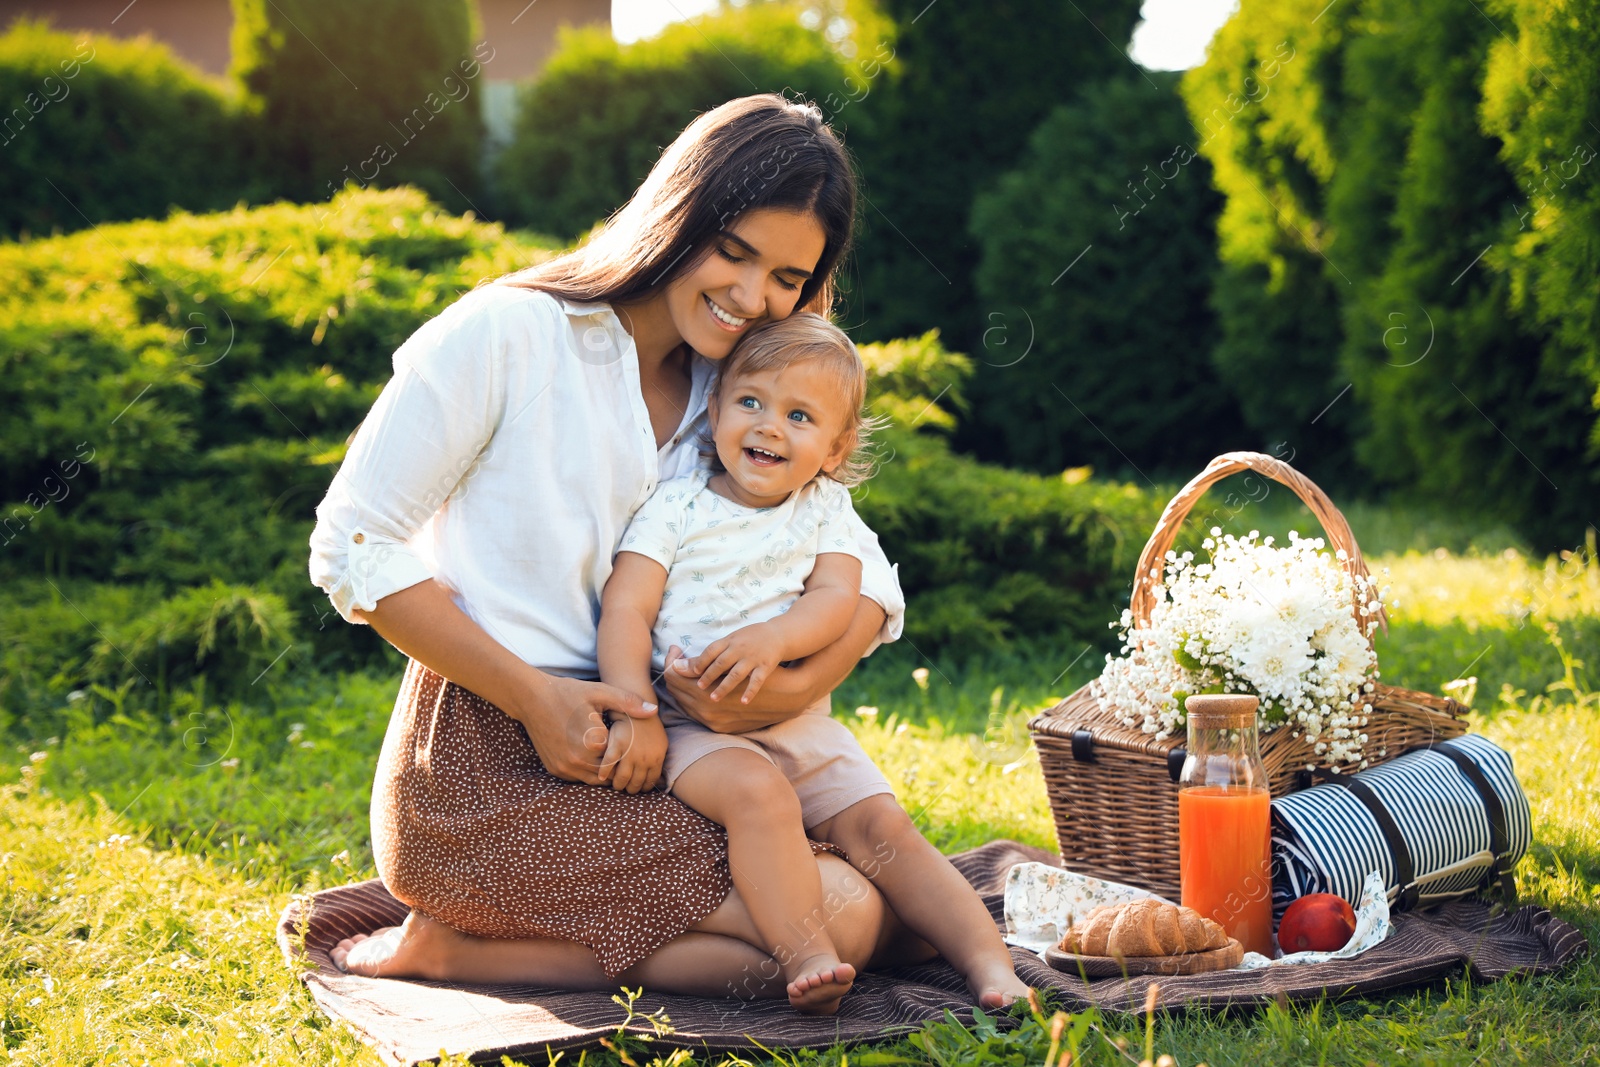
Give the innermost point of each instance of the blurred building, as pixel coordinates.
(521, 32)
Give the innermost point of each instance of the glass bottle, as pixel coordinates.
(1224, 820)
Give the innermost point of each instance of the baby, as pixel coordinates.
(747, 566)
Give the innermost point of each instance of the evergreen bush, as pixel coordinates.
(375, 92)
(594, 122)
(951, 111)
(99, 129)
(1098, 253)
(988, 554)
(1370, 176)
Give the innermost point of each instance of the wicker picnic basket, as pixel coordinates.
(1113, 788)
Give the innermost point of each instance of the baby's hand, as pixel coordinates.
(751, 652)
(635, 751)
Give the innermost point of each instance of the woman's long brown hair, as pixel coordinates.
(763, 151)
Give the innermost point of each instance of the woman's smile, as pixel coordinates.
(724, 318)
(753, 272)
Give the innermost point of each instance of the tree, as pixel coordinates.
(1491, 416)
(1541, 97)
(593, 124)
(1368, 153)
(1096, 263)
(375, 92)
(968, 83)
(1257, 108)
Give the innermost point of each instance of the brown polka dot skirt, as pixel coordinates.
(469, 828)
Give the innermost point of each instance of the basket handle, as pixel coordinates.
(1153, 558)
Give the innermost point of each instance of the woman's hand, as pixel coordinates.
(785, 694)
(567, 728)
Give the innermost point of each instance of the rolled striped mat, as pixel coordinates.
(1437, 823)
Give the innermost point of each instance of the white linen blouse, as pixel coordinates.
(504, 459)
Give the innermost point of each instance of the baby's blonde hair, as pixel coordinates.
(803, 336)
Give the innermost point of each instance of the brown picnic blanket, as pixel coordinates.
(411, 1021)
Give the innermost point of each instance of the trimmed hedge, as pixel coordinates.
(100, 129)
(986, 554)
(185, 391)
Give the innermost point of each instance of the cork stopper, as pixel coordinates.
(1217, 711)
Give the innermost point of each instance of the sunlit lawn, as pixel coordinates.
(145, 865)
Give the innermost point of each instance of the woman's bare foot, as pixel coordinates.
(997, 985)
(818, 989)
(418, 948)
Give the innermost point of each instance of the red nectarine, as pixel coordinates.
(1317, 922)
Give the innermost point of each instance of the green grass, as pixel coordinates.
(119, 952)
(1244, 502)
(143, 864)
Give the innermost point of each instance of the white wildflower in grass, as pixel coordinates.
(1275, 621)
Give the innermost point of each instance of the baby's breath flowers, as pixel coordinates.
(1272, 621)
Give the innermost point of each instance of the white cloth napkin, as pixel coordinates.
(1042, 902)
(1372, 926)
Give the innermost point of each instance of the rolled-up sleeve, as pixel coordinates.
(424, 433)
(880, 580)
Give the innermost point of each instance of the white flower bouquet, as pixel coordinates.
(1273, 621)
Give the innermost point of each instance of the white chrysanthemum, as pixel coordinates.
(1276, 659)
(1257, 618)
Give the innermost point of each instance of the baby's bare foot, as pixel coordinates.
(996, 985)
(822, 983)
(419, 948)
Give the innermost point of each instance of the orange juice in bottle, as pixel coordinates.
(1224, 820)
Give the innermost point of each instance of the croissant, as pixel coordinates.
(1143, 928)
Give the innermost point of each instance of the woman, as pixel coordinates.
(473, 524)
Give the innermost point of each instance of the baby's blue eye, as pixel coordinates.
(799, 416)
(749, 402)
